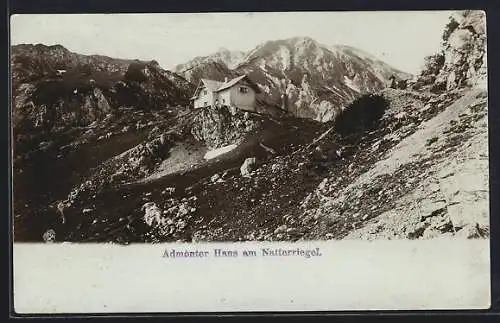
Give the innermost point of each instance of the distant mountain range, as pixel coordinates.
(299, 74)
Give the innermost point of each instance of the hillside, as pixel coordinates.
(55, 91)
(70, 112)
(308, 79)
(85, 125)
(393, 178)
(130, 162)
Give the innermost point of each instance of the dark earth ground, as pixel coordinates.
(48, 177)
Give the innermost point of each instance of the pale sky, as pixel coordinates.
(402, 39)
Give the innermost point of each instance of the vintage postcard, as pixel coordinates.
(228, 162)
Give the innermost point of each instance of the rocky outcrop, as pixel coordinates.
(462, 59)
(175, 216)
(218, 127)
(248, 166)
(49, 236)
(133, 164)
(56, 91)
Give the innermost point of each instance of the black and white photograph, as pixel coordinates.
(234, 128)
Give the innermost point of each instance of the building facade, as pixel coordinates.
(239, 93)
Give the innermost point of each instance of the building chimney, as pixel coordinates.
(225, 79)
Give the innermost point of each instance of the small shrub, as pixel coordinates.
(449, 28)
(437, 88)
(364, 113)
(134, 73)
(433, 64)
(431, 141)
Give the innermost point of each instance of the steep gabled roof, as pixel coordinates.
(216, 86)
(234, 81)
(230, 83)
(212, 85)
(195, 94)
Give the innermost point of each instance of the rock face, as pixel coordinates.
(219, 127)
(299, 75)
(462, 59)
(217, 66)
(152, 214)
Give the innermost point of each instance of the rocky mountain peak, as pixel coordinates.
(223, 58)
(462, 58)
(285, 53)
(230, 58)
(302, 41)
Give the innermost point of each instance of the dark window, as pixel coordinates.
(205, 104)
(243, 89)
(223, 100)
(204, 92)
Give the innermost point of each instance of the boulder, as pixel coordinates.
(460, 39)
(248, 166)
(280, 229)
(275, 167)
(153, 214)
(168, 191)
(49, 235)
(472, 230)
(465, 187)
(430, 208)
(215, 178)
